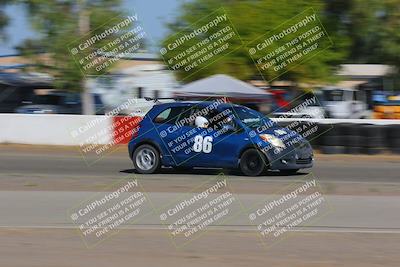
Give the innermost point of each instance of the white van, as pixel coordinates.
(345, 103)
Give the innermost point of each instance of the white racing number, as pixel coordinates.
(202, 144)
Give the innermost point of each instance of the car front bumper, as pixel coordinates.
(300, 157)
(287, 163)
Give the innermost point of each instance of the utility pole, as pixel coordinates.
(88, 106)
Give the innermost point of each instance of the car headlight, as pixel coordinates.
(273, 140)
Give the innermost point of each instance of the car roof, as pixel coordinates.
(194, 103)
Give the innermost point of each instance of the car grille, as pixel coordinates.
(301, 145)
(304, 161)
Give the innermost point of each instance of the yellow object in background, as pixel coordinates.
(387, 112)
(394, 98)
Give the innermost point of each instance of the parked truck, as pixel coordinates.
(345, 103)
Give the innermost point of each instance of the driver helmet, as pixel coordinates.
(201, 122)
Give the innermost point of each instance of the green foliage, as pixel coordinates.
(57, 23)
(373, 26)
(253, 19)
(362, 31)
(390, 35)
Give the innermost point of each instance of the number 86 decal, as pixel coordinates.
(202, 144)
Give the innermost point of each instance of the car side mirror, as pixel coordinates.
(228, 128)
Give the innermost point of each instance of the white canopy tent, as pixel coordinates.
(221, 85)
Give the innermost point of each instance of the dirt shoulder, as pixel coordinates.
(33, 248)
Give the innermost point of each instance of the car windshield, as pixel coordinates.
(333, 95)
(47, 100)
(251, 118)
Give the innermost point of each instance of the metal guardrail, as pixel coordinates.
(337, 121)
(361, 136)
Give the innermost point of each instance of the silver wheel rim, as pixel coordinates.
(145, 159)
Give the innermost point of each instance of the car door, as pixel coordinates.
(167, 127)
(214, 146)
(226, 146)
(181, 146)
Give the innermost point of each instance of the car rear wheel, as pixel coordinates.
(146, 159)
(253, 162)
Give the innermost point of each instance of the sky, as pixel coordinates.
(153, 14)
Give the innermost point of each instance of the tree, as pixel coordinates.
(62, 24)
(373, 26)
(391, 35)
(253, 19)
(3, 17)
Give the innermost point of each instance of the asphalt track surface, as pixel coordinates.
(39, 185)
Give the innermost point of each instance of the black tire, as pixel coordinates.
(333, 149)
(354, 141)
(289, 172)
(336, 140)
(349, 129)
(146, 159)
(353, 150)
(374, 151)
(392, 136)
(253, 162)
(395, 150)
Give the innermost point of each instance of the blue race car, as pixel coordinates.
(215, 135)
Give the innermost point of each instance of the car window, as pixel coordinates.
(212, 115)
(47, 100)
(333, 95)
(75, 99)
(251, 118)
(163, 116)
(187, 117)
(169, 115)
(359, 96)
(189, 114)
(218, 119)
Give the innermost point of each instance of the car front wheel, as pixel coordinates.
(146, 159)
(253, 162)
